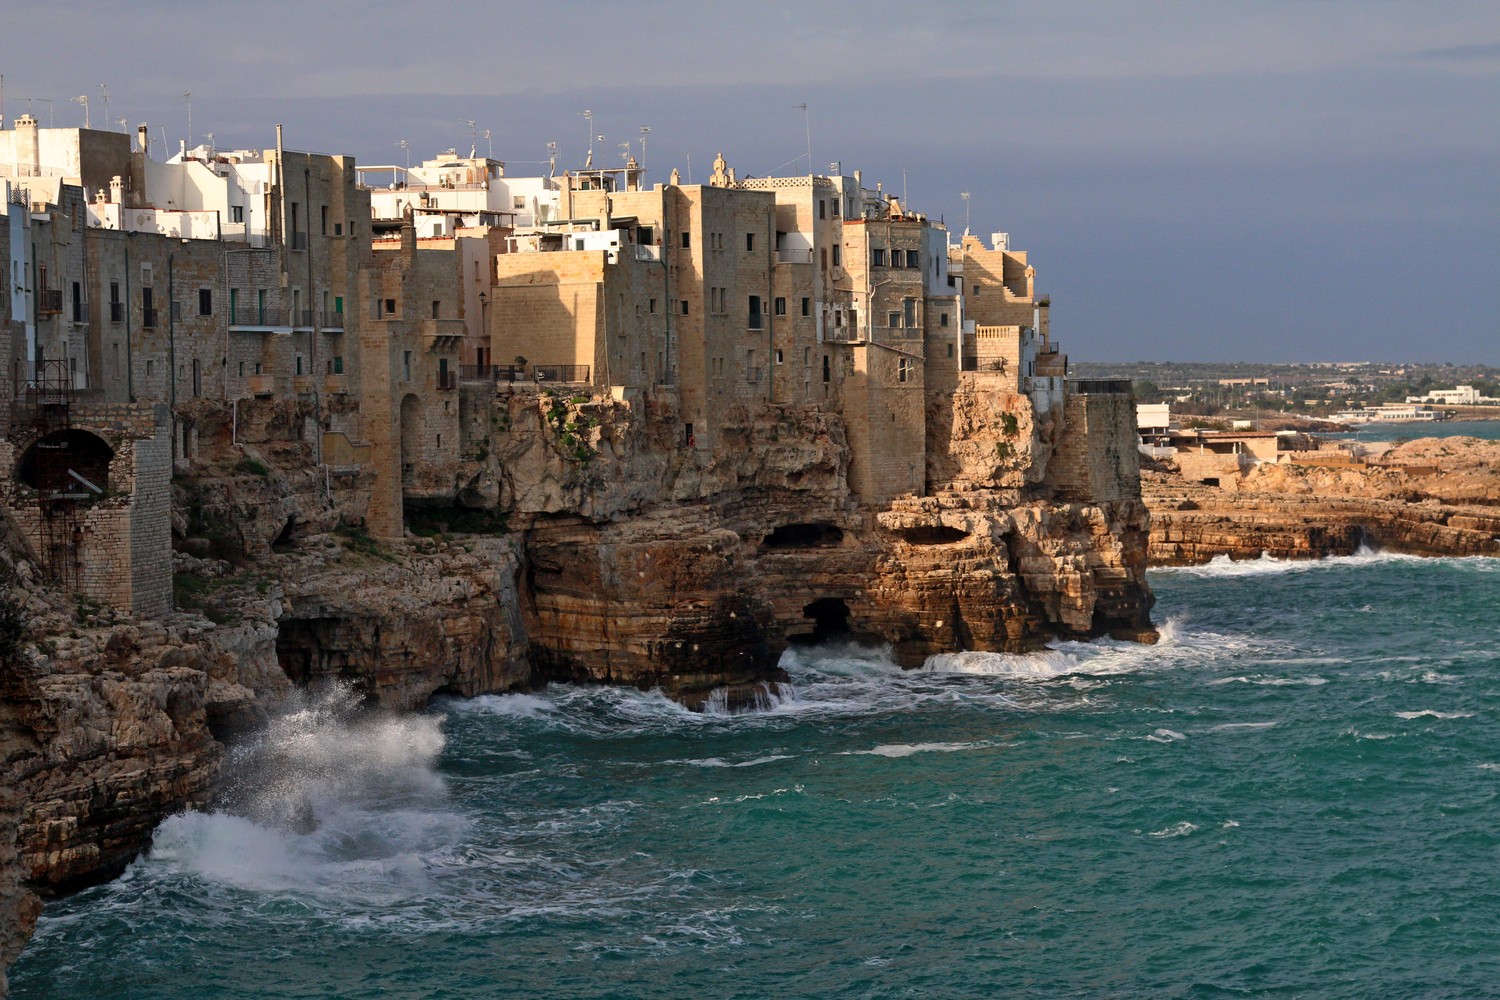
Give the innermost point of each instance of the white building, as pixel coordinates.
(455, 192)
(1464, 395)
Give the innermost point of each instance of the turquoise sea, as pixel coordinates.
(1487, 429)
(1295, 794)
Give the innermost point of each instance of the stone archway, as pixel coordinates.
(411, 436)
(61, 462)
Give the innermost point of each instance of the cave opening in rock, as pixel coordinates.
(67, 461)
(285, 540)
(830, 618)
(804, 536)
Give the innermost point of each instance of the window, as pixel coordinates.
(645, 235)
(338, 229)
(903, 369)
(894, 318)
(780, 307)
(822, 209)
(909, 308)
(437, 306)
(651, 308)
(827, 370)
(323, 220)
(835, 205)
(77, 302)
(242, 369)
(145, 275)
(913, 259)
(950, 350)
(687, 241)
(806, 306)
(779, 357)
(837, 259)
(942, 319)
(952, 281)
(976, 289)
(684, 307)
(150, 368)
(406, 366)
(299, 364)
(807, 357)
(338, 304)
(338, 364)
(749, 242)
(877, 257)
(390, 307)
(755, 313)
(823, 258)
(237, 213)
(518, 201)
(205, 302)
(197, 377)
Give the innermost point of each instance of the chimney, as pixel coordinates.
(117, 189)
(142, 136)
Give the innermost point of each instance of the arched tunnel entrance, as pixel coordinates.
(830, 621)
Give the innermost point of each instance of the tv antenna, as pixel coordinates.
(807, 124)
(965, 196)
(84, 100)
(588, 121)
(489, 138)
(551, 158)
(406, 145)
(473, 135)
(188, 95)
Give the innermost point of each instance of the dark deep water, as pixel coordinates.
(1293, 795)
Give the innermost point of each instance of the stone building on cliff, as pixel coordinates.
(278, 303)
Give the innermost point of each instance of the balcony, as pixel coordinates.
(336, 385)
(754, 374)
(302, 319)
(1097, 386)
(794, 256)
(258, 318)
(447, 379)
(645, 252)
(757, 321)
(148, 318)
(842, 335)
(304, 384)
(261, 385)
(297, 241)
(560, 373)
(331, 321)
(49, 302)
(117, 312)
(441, 334)
(492, 373)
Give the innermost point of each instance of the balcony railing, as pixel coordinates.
(117, 312)
(447, 379)
(757, 321)
(148, 318)
(333, 320)
(647, 252)
(841, 335)
(261, 385)
(302, 318)
(794, 256)
(49, 301)
(297, 241)
(560, 373)
(754, 374)
(256, 316)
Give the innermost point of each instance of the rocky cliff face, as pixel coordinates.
(1436, 496)
(585, 541)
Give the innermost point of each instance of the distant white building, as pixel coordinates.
(1464, 395)
(454, 192)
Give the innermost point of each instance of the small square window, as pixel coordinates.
(942, 319)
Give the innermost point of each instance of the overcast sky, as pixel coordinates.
(1293, 180)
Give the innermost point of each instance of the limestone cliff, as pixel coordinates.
(1435, 496)
(582, 539)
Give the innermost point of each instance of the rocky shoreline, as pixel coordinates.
(625, 560)
(1434, 496)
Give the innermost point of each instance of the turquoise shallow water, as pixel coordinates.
(1294, 794)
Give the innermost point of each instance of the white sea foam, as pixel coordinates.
(1266, 565)
(1428, 713)
(1241, 727)
(1176, 830)
(907, 749)
(328, 798)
